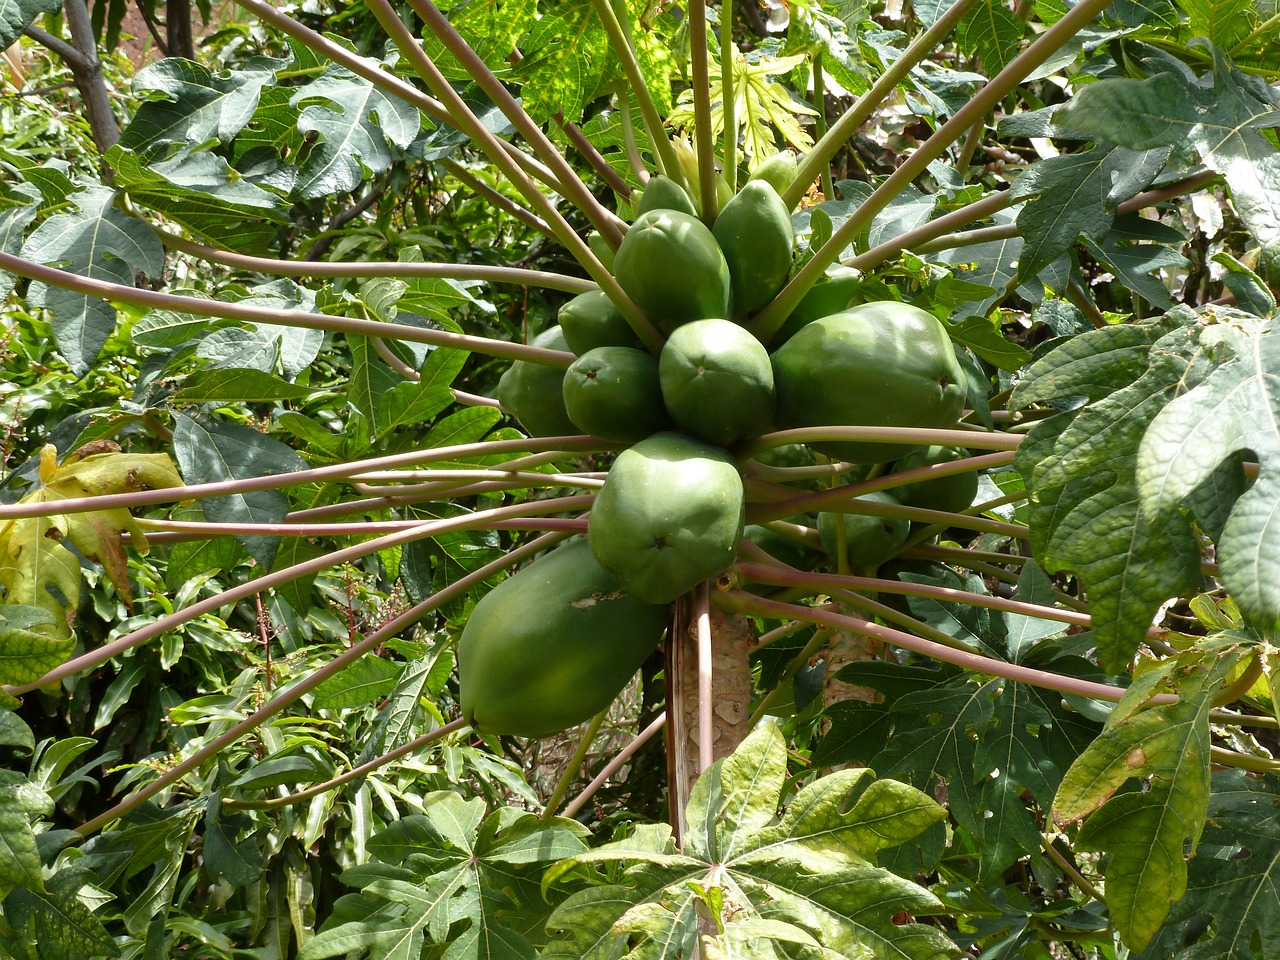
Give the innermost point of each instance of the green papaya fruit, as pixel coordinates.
(953, 494)
(672, 267)
(531, 392)
(663, 193)
(591, 320)
(779, 171)
(613, 393)
(717, 381)
(600, 247)
(552, 645)
(869, 541)
(877, 364)
(839, 288)
(670, 514)
(755, 234)
(792, 552)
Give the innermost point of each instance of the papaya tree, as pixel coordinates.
(892, 391)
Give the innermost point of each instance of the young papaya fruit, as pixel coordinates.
(779, 171)
(600, 247)
(552, 645)
(672, 267)
(755, 234)
(882, 364)
(531, 392)
(838, 289)
(663, 193)
(717, 382)
(869, 541)
(952, 494)
(613, 393)
(591, 320)
(670, 514)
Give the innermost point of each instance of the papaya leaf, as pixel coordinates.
(1222, 117)
(1166, 747)
(993, 32)
(1080, 469)
(1075, 195)
(95, 240)
(58, 920)
(466, 880)
(20, 803)
(1233, 893)
(185, 102)
(356, 125)
(763, 108)
(17, 15)
(809, 874)
(211, 451)
(1233, 410)
(566, 60)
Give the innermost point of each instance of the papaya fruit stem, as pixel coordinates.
(766, 324)
(830, 143)
(617, 26)
(575, 189)
(612, 767)
(574, 765)
(701, 78)
(728, 96)
(373, 268)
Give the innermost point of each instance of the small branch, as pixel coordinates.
(417, 743)
(820, 122)
(572, 185)
(311, 680)
(912, 436)
(523, 214)
(912, 239)
(593, 156)
(629, 138)
(767, 322)
(663, 152)
(289, 318)
(69, 54)
(729, 95)
(338, 472)
(843, 129)
(379, 268)
(748, 603)
(1069, 868)
(271, 580)
(701, 81)
(575, 764)
(612, 767)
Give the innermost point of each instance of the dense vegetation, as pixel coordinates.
(600, 479)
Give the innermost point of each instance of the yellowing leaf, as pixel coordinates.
(762, 108)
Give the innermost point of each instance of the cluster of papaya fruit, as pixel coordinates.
(553, 644)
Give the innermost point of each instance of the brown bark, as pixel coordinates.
(732, 640)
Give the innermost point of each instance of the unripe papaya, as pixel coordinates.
(663, 193)
(670, 514)
(613, 393)
(672, 267)
(754, 232)
(869, 541)
(531, 392)
(952, 494)
(600, 247)
(839, 287)
(876, 364)
(779, 171)
(591, 320)
(552, 645)
(717, 381)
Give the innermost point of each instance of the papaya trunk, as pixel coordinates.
(732, 640)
